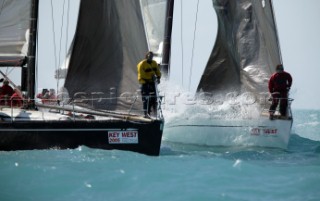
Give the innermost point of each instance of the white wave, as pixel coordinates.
(313, 124)
(179, 103)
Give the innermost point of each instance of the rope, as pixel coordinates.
(194, 37)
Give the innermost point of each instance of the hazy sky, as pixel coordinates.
(59, 29)
(299, 32)
(297, 22)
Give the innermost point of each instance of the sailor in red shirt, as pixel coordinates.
(17, 98)
(279, 86)
(6, 92)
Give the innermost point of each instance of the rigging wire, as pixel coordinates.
(60, 43)
(67, 29)
(57, 53)
(181, 41)
(194, 37)
(54, 35)
(66, 45)
(145, 23)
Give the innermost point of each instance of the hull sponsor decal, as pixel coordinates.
(264, 131)
(123, 137)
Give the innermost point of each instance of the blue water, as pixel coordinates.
(180, 173)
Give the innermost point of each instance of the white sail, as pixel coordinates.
(14, 25)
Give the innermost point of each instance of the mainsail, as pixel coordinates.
(246, 50)
(14, 29)
(111, 38)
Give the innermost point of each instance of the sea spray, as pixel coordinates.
(182, 104)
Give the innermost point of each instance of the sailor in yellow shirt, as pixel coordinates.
(148, 76)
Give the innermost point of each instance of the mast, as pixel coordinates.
(32, 52)
(165, 66)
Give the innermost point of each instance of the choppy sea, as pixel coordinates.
(180, 173)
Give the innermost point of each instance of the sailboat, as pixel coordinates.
(231, 105)
(103, 108)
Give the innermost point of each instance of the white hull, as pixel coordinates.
(260, 132)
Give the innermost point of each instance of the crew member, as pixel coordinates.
(279, 86)
(17, 98)
(6, 92)
(148, 76)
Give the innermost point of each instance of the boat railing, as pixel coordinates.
(72, 107)
(268, 102)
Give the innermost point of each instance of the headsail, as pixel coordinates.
(246, 50)
(109, 42)
(14, 29)
(153, 13)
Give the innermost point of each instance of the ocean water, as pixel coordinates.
(180, 173)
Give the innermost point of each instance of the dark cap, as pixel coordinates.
(279, 67)
(149, 53)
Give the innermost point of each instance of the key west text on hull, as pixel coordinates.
(31, 130)
(259, 132)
